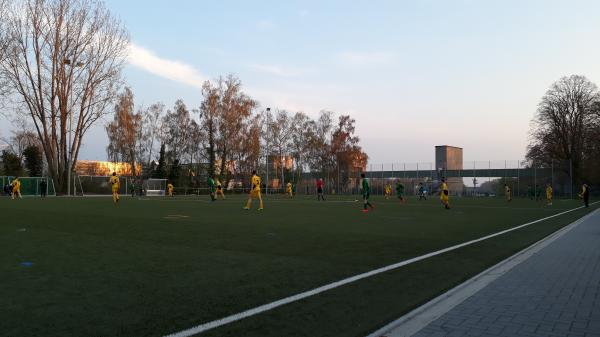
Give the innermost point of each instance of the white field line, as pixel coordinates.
(314, 202)
(419, 318)
(269, 306)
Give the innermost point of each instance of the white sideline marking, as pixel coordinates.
(269, 306)
(419, 318)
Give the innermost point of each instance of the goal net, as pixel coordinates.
(97, 185)
(30, 186)
(155, 187)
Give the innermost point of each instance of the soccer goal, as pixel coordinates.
(30, 186)
(84, 185)
(155, 187)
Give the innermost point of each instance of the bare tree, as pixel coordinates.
(224, 115)
(320, 155)
(345, 149)
(236, 109)
(176, 127)
(246, 153)
(563, 128)
(64, 63)
(123, 132)
(4, 43)
(280, 132)
(303, 130)
(20, 140)
(151, 131)
(209, 121)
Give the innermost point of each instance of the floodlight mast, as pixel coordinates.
(67, 62)
(267, 155)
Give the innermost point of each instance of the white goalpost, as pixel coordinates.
(155, 187)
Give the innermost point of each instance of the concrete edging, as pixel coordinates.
(419, 318)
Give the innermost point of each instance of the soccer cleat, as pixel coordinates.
(260, 209)
(365, 210)
(247, 208)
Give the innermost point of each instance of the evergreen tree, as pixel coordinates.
(161, 170)
(11, 164)
(34, 161)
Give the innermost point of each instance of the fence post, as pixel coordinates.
(338, 179)
(417, 171)
(571, 174)
(552, 176)
(382, 180)
(431, 171)
(534, 181)
(518, 178)
(474, 180)
(489, 170)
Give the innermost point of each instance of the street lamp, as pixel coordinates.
(67, 62)
(268, 122)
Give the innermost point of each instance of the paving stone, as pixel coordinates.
(555, 292)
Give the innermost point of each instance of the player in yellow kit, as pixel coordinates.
(219, 191)
(254, 192)
(16, 188)
(114, 183)
(388, 191)
(549, 194)
(170, 189)
(507, 193)
(445, 195)
(288, 190)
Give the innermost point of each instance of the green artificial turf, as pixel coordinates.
(156, 266)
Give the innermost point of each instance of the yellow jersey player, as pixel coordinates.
(254, 192)
(114, 183)
(170, 188)
(445, 195)
(585, 195)
(16, 188)
(507, 193)
(219, 192)
(549, 194)
(388, 191)
(288, 190)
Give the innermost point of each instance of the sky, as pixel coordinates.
(414, 74)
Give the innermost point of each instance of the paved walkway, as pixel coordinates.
(555, 292)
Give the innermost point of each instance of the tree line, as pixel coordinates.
(566, 127)
(61, 65)
(228, 136)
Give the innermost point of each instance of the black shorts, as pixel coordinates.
(219, 188)
(319, 190)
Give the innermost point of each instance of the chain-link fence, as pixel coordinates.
(473, 179)
(30, 186)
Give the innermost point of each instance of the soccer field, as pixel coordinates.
(156, 266)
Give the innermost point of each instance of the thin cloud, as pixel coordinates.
(280, 70)
(354, 58)
(174, 70)
(265, 25)
(303, 13)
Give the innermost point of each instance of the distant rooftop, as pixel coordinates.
(456, 147)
